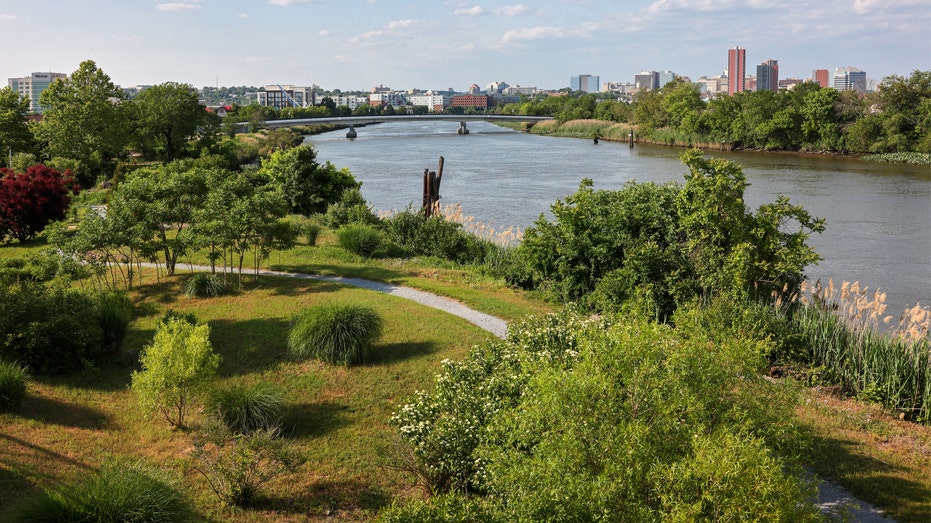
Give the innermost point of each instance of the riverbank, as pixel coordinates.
(621, 132)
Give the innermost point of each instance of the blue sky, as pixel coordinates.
(437, 44)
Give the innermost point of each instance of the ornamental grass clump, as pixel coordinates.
(203, 285)
(244, 409)
(859, 348)
(120, 492)
(341, 334)
(13, 377)
(359, 239)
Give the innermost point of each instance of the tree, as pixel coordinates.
(177, 365)
(15, 135)
(166, 117)
(682, 103)
(307, 186)
(84, 119)
(31, 200)
(160, 203)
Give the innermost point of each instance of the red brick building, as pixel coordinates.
(478, 101)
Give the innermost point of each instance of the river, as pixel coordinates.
(878, 215)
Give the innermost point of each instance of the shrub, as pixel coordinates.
(175, 367)
(359, 239)
(351, 208)
(50, 329)
(115, 311)
(203, 285)
(311, 230)
(120, 492)
(244, 409)
(337, 334)
(13, 378)
(237, 465)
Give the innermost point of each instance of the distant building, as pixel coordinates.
(32, 86)
(281, 96)
(711, 87)
(496, 87)
(387, 98)
(515, 90)
(477, 101)
(736, 70)
(475, 89)
(664, 78)
(767, 76)
(351, 101)
(585, 82)
(849, 79)
(435, 103)
(821, 77)
(646, 80)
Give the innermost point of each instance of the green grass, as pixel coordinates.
(335, 416)
(340, 334)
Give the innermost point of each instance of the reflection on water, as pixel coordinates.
(879, 215)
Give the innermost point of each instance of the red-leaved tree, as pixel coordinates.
(31, 200)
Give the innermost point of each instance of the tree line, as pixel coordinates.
(896, 117)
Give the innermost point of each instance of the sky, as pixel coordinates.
(438, 44)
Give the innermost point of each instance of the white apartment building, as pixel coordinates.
(281, 96)
(435, 103)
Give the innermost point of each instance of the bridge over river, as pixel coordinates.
(353, 121)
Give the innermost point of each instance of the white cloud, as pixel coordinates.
(177, 6)
(531, 33)
(323, 33)
(511, 10)
(242, 16)
(470, 11)
(392, 29)
(7, 18)
(400, 24)
(252, 59)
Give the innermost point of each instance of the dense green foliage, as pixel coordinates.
(175, 367)
(573, 419)
(166, 118)
(13, 377)
(341, 334)
(669, 244)
(14, 129)
(415, 234)
(307, 186)
(202, 285)
(53, 329)
(121, 492)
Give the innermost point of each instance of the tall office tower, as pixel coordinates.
(32, 86)
(767, 76)
(736, 70)
(585, 82)
(821, 77)
(849, 79)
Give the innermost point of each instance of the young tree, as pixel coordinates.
(84, 118)
(307, 186)
(176, 366)
(31, 200)
(15, 136)
(166, 117)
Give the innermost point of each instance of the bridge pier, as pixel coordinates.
(351, 133)
(462, 128)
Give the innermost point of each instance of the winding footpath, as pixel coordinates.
(832, 498)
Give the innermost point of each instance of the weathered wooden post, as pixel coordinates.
(431, 190)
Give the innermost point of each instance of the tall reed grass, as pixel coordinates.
(860, 348)
(508, 237)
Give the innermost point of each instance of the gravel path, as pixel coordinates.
(832, 498)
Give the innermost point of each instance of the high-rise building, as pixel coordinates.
(849, 79)
(736, 70)
(647, 80)
(32, 86)
(664, 78)
(821, 77)
(767, 76)
(585, 82)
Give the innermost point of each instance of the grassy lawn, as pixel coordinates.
(338, 418)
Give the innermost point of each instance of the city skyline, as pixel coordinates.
(354, 45)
